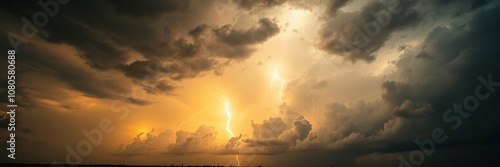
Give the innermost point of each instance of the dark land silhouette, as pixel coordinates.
(109, 165)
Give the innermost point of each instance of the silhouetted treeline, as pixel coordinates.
(108, 165)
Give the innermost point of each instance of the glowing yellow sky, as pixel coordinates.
(248, 85)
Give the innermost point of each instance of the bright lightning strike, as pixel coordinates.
(305, 34)
(313, 42)
(228, 113)
(313, 100)
(238, 159)
(277, 77)
(246, 12)
(228, 122)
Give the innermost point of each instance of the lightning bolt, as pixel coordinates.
(244, 13)
(228, 122)
(305, 34)
(313, 100)
(228, 113)
(313, 43)
(277, 77)
(189, 119)
(238, 159)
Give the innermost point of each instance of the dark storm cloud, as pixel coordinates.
(459, 53)
(409, 109)
(265, 29)
(99, 53)
(424, 88)
(136, 101)
(430, 78)
(249, 4)
(89, 84)
(358, 35)
(162, 86)
(198, 30)
(157, 77)
(395, 92)
(185, 48)
(336, 5)
(238, 40)
(4, 119)
(152, 8)
(38, 60)
(126, 24)
(344, 124)
(169, 45)
(18, 124)
(456, 8)
(94, 34)
(140, 69)
(77, 78)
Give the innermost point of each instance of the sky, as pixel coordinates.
(265, 82)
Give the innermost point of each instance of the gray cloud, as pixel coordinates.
(270, 128)
(249, 4)
(107, 40)
(275, 136)
(335, 5)
(237, 40)
(412, 109)
(201, 141)
(265, 29)
(358, 35)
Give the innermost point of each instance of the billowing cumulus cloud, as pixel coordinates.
(275, 136)
(272, 136)
(201, 141)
